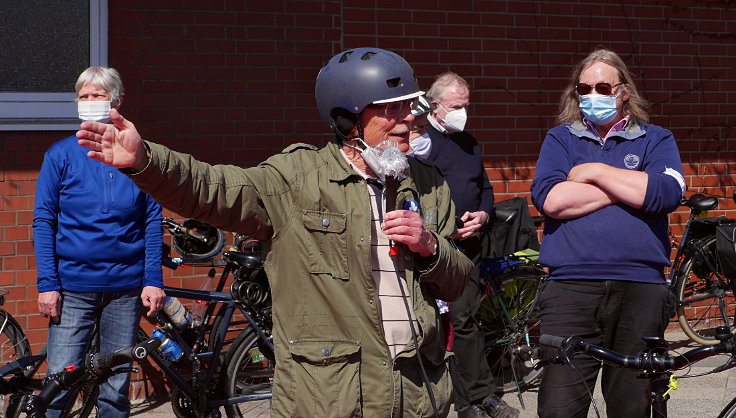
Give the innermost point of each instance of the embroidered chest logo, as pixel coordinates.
(631, 161)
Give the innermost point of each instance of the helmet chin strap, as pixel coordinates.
(358, 137)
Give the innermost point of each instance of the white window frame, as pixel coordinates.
(55, 111)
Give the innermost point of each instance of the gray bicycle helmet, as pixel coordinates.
(355, 78)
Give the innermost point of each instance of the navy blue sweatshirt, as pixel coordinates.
(93, 229)
(616, 242)
(458, 157)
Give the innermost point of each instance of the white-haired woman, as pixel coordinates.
(98, 249)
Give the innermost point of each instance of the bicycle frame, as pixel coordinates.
(692, 245)
(193, 391)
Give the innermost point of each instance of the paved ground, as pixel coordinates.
(702, 396)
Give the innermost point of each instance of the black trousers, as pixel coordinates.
(612, 313)
(472, 379)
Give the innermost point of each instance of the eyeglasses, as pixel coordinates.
(393, 109)
(602, 88)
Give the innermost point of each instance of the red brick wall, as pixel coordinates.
(232, 81)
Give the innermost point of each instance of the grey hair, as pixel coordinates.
(442, 82)
(106, 78)
(570, 101)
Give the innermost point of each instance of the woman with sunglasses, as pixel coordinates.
(605, 181)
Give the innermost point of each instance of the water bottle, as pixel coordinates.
(178, 313)
(170, 348)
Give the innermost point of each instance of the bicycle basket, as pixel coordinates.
(193, 249)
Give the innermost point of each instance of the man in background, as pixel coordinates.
(457, 154)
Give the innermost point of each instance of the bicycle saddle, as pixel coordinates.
(249, 261)
(702, 203)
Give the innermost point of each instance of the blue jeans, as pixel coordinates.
(118, 314)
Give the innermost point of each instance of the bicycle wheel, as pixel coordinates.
(13, 345)
(249, 372)
(729, 411)
(82, 402)
(511, 329)
(703, 302)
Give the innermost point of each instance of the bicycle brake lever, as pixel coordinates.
(118, 370)
(544, 362)
(730, 364)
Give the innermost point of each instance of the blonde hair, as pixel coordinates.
(106, 78)
(570, 101)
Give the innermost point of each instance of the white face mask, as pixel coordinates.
(385, 159)
(421, 145)
(455, 120)
(94, 110)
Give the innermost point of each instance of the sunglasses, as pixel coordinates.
(601, 88)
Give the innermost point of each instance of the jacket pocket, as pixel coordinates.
(326, 378)
(121, 192)
(327, 243)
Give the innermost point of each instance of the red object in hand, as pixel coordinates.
(70, 368)
(393, 250)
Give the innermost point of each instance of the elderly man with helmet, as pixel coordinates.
(345, 272)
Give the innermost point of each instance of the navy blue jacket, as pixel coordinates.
(459, 159)
(93, 230)
(616, 242)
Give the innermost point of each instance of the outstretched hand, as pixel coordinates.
(118, 144)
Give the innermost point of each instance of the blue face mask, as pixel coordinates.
(598, 109)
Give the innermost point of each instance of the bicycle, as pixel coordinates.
(17, 375)
(225, 372)
(655, 363)
(96, 369)
(508, 318)
(705, 297)
(220, 377)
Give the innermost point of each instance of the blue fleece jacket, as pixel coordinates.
(93, 229)
(616, 242)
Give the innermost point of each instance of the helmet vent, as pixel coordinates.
(345, 56)
(393, 82)
(367, 56)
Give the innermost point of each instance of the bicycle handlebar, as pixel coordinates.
(96, 365)
(650, 360)
(181, 230)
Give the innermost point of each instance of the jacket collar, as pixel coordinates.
(341, 171)
(632, 131)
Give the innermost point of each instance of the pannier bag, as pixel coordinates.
(726, 247)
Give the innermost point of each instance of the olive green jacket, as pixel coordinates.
(331, 354)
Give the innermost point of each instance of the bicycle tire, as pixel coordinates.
(512, 349)
(729, 411)
(13, 346)
(699, 294)
(249, 371)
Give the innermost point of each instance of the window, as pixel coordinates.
(46, 45)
